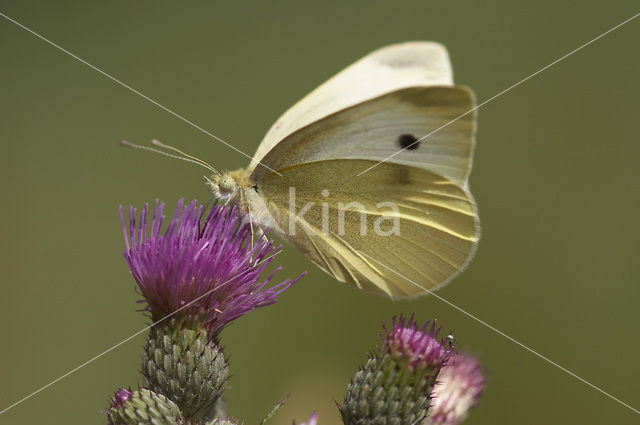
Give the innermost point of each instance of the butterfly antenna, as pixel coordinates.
(147, 148)
(162, 145)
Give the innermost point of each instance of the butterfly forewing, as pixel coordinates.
(391, 68)
(381, 128)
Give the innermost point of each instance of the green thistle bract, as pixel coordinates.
(186, 366)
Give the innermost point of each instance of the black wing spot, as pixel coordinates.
(408, 141)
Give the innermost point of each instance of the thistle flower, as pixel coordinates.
(313, 420)
(394, 387)
(200, 274)
(120, 397)
(420, 346)
(203, 269)
(460, 386)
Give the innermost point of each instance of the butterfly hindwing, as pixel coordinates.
(437, 226)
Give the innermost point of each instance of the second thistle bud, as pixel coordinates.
(142, 407)
(394, 386)
(183, 364)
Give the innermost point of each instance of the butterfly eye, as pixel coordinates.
(226, 184)
(408, 141)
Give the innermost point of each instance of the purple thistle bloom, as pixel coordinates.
(459, 388)
(201, 269)
(419, 345)
(120, 398)
(313, 420)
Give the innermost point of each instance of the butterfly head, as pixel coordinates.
(222, 186)
(227, 185)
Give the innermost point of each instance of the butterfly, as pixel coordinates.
(376, 163)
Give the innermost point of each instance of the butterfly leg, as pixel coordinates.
(250, 218)
(251, 227)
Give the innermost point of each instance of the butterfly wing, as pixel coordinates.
(347, 127)
(377, 130)
(383, 71)
(416, 222)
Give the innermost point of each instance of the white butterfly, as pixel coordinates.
(356, 197)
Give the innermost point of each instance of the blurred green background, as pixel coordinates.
(555, 177)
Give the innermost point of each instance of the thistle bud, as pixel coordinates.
(186, 366)
(394, 386)
(142, 407)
